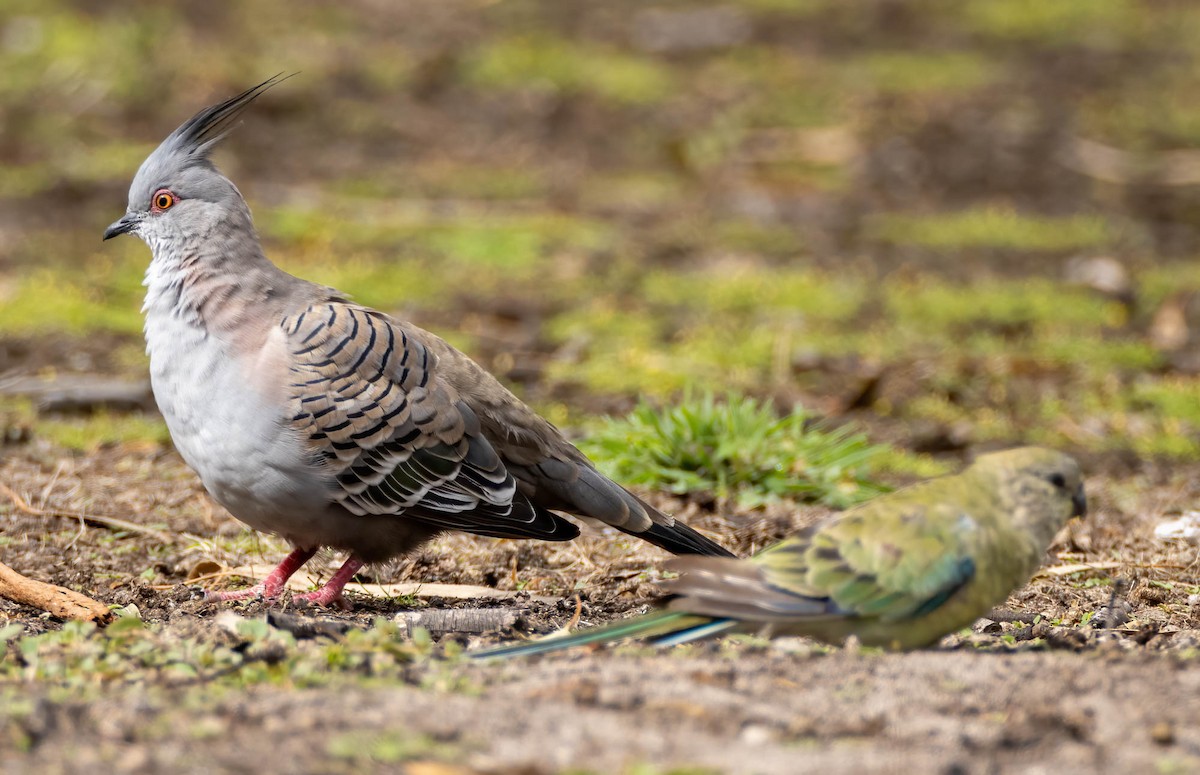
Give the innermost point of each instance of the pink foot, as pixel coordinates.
(331, 593)
(270, 587)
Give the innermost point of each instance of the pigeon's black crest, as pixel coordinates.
(197, 136)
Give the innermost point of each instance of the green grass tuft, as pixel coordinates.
(87, 434)
(1062, 21)
(101, 295)
(391, 747)
(737, 448)
(903, 72)
(86, 661)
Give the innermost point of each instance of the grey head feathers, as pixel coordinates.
(181, 164)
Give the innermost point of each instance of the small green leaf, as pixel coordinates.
(125, 623)
(254, 629)
(421, 637)
(130, 611)
(10, 631)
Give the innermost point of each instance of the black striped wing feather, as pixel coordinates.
(394, 433)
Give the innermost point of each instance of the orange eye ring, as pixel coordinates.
(163, 199)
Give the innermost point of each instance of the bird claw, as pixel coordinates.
(259, 591)
(270, 588)
(323, 597)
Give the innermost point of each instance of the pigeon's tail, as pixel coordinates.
(662, 628)
(569, 483)
(678, 538)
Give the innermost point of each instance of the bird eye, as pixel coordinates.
(163, 199)
(1057, 480)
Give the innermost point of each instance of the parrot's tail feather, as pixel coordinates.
(720, 588)
(699, 632)
(655, 625)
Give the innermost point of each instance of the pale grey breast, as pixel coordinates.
(215, 399)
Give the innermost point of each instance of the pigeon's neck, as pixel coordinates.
(219, 283)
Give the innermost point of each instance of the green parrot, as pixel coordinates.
(899, 572)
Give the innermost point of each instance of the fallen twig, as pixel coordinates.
(1078, 567)
(95, 520)
(575, 616)
(466, 620)
(307, 627)
(1116, 165)
(306, 580)
(1066, 570)
(1005, 615)
(59, 601)
(82, 394)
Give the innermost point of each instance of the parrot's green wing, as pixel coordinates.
(903, 567)
(893, 566)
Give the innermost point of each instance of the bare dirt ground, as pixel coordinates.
(748, 711)
(1009, 697)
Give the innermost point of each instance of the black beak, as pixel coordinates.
(1079, 502)
(122, 226)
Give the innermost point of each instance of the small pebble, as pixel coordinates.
(1163, 733)
(1185, 528)
(756, 734)
(987, 627)
(1112, 617)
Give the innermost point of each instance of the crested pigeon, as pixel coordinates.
(326, 422)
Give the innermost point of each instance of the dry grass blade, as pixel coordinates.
(1078, 567)
(95, 520)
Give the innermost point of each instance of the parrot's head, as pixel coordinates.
(1041, 488)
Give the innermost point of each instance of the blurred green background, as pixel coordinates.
(952, 222)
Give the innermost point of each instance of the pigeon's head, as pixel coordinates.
(178, 191)
(1041, 488)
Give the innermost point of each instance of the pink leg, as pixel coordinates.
(331, 593)
(270, 587)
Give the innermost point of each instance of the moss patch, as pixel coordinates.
(991, 227)
(548, 63)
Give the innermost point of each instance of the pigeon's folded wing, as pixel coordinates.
(394, 433)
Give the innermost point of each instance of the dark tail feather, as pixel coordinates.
(681, 539)
(678, 538)
(661, 626)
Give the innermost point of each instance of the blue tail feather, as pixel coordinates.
(662, 624)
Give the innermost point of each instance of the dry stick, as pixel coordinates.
(575, 617)
(59, 601)
(464, 620)
(95, 520)
(303, 627)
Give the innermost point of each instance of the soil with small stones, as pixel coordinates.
(1009, 697)
(762, 712)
